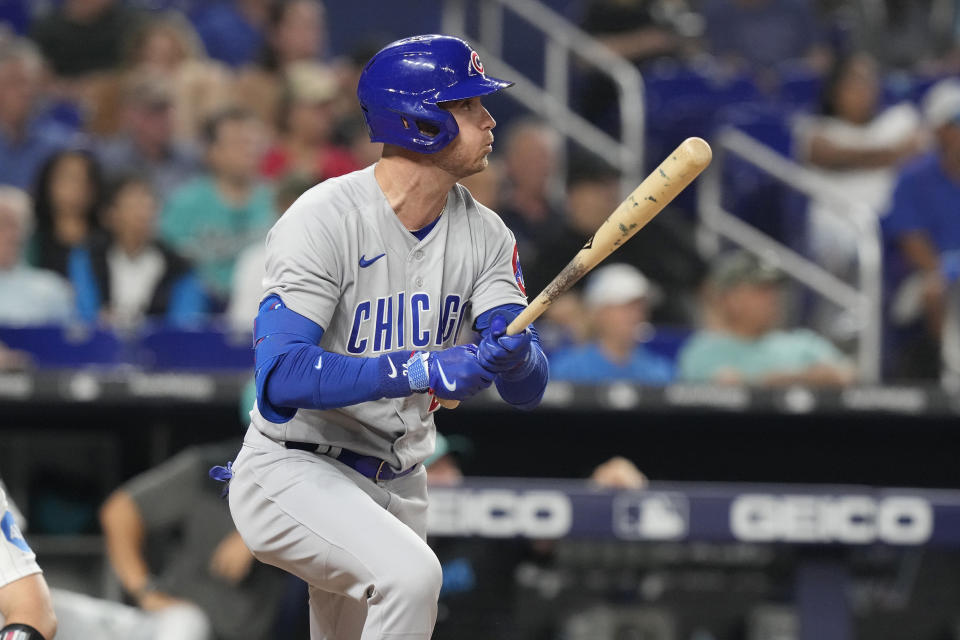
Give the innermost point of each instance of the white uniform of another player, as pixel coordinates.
(17, 560)
(332, 490)
(24, 597)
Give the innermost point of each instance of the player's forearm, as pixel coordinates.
(919, 251)
(124, 532)
(830, 156)
(307, 377)
(27, 601)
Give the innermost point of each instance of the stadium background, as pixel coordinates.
(93, 401)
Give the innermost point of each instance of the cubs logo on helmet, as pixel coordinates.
(475, 62)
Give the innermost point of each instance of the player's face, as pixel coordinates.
(468, 152)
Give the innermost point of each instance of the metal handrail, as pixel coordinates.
(552, 100)
(864, 300)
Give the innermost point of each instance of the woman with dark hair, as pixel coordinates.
(133, 275)
(294, 33)
(855, 145)
(67, 198)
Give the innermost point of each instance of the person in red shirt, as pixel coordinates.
(306, 122)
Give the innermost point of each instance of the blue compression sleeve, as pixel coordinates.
(292, 372)
(524, 387)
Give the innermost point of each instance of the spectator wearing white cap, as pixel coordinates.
(744, 344)
(617, 298)
(924, 225)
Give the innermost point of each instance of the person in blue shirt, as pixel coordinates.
(27, 137)
(617, 297)
(923, 227)
(232, 32)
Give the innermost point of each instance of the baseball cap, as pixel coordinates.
(740, 267)
(941, 105)
(449, 444)
(616, 284)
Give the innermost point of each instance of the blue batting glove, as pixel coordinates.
(453, 373)
(499, 352)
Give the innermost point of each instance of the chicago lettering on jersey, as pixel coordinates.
(379, 325)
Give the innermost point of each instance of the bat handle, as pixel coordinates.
(448, 403)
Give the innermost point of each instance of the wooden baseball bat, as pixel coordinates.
(656, 191)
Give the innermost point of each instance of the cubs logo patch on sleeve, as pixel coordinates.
(517, 271)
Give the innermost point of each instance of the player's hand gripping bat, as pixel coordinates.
(654, 193)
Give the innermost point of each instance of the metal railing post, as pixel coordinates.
(864, 300)
(563, 40)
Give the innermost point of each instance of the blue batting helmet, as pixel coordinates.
(401, 85)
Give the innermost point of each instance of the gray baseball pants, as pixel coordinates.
(360, 545)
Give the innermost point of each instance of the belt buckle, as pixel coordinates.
(376, 478)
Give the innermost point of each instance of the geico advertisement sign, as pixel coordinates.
(844, 519)
(499, 513)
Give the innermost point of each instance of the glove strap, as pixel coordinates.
(418, 371)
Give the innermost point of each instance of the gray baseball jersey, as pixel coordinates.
(340, 257)
(16, 558)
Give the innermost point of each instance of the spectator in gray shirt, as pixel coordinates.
(202, 574)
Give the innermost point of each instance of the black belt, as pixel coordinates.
(369, 466)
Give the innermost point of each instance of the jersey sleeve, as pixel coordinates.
(303, 263)
(500, 280)
(17, 560)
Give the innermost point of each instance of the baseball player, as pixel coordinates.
(373, 282)
(25, 605)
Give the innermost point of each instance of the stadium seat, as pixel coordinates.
(66, 347)
(165, 348)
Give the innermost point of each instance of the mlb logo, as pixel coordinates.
(651, 516)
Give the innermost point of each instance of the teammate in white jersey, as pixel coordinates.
(372, 279)
(25, 606)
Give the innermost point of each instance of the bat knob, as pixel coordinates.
(697, 151)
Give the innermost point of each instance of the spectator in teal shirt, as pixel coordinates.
(617, 297)
(212, 218)
(743, 345)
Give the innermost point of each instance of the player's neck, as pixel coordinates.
(415, 192)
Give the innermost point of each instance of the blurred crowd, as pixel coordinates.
(147, 147)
